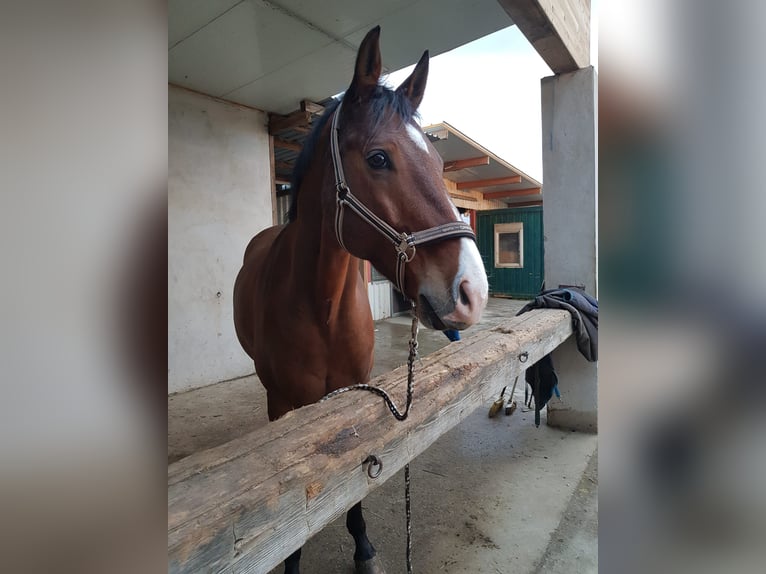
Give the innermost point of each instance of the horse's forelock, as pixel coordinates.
(386, 102)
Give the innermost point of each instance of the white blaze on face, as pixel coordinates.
(417, 136)
(471, 267)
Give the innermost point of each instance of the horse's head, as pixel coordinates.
(393, 170)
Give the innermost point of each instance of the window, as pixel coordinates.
(509, 245)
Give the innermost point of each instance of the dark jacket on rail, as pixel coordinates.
(584, 310)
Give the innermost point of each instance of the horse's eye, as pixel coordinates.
(378, 160)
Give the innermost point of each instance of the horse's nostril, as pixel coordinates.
(463, 295)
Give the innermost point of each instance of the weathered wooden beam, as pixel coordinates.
(559, 30)
(279, 123)
(459, 164)
(248, 504)
(488, 182)
(312, 107)
(511, 193)
(284, 144)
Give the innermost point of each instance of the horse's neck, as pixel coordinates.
(326, 278)
(328, 270)
(329, 291)
(327, 273)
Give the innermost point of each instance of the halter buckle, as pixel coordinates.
(405, 250)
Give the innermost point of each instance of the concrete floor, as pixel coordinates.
(490, 496)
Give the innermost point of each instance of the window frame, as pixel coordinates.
(514, 227)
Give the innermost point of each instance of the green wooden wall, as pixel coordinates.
(523, 282)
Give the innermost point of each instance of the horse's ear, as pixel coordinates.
(415, 86)
(368, 64)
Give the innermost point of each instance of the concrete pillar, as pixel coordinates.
(570, 220)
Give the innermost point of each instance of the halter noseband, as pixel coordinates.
(404, 243)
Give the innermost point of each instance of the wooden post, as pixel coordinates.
(248, 504)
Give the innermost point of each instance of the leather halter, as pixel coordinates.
(404, 243)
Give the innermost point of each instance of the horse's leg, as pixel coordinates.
(364, 556)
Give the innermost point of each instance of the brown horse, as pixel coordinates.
(300, 304)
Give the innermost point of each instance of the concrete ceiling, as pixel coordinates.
(272, 54)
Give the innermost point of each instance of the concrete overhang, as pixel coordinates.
(272, 54)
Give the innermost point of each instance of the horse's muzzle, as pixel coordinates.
(460, 305)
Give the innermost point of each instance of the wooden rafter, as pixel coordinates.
(526, 203)
(464, 163)
(284, 144)
(511, 193)
(312, 107)
(462, 196)
(294, 120)
(489, 182)
(283, 166)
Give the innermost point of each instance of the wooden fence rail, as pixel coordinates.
(248, 504)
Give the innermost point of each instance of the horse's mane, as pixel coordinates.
(382, 99)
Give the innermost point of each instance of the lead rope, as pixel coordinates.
(413, 353)
(408, 513)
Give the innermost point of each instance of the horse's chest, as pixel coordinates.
(351, 364)
(349, 357)
(332, 358)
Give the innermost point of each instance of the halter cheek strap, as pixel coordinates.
(404, 243)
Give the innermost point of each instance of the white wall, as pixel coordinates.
(219, 196)
(379, 293)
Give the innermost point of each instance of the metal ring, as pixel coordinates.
(374, 466)
(405, 252)
(523, 357)
(341, 190)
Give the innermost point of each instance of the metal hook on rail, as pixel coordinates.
(374, 466)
